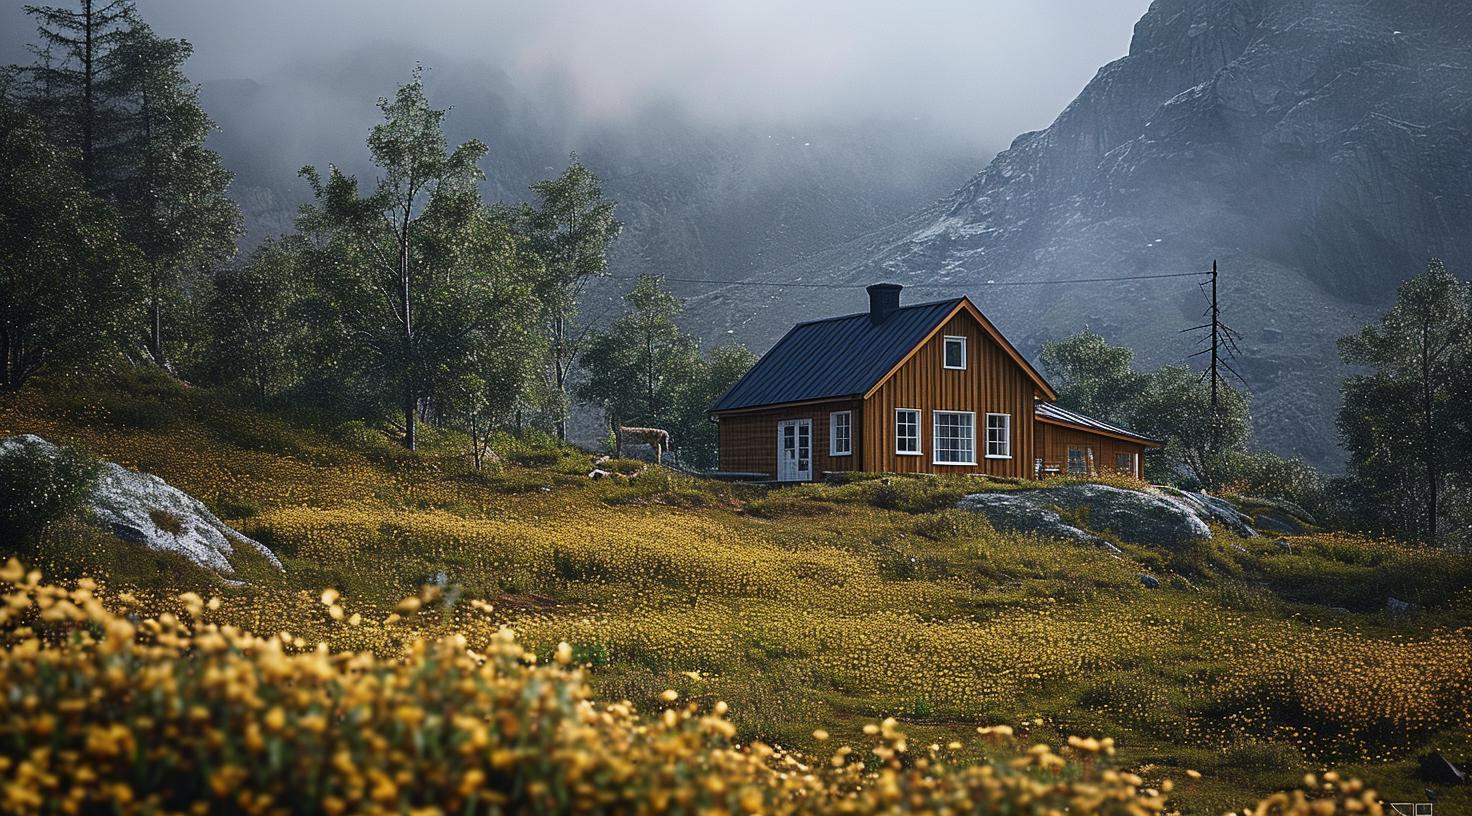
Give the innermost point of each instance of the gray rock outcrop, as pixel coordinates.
(1073, 511)
(143, 509)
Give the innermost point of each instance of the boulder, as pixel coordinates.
(1278, 516)
(1018, 512)
(1150, 581)
(143, 509)
(1219, 510)
(1147, 518)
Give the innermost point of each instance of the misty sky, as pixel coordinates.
(984, 69)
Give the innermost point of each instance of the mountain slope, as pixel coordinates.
(697, 199)
(1319, 150)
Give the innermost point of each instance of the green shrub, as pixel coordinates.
(40, 485)
(626, 467)
(952, 525)
(1270, 476)
(1262, 755)
(917, 495)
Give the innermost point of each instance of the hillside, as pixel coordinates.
(820, 606)
(1319, 150)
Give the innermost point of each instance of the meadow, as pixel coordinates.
(862, 614)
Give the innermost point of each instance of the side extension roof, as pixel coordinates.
(1048, 412)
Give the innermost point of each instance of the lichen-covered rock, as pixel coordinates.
(144, 509)
(1219, 510)
(1021, 513)
(1082, 511)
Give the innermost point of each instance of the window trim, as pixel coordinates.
(1068, 461)
(833, 434)
(964, 352)
(1134, 466)
(935, 436)
(919, 432)
(989, 454)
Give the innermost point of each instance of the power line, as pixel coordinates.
(799, 284)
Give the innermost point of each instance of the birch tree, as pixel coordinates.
(394, 267)
(570, 228)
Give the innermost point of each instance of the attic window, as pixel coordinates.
(955, 353)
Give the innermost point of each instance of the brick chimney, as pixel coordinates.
(884, 298)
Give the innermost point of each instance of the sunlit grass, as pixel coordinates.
(825, 606)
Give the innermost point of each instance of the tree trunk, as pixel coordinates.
(156, 331)
(1428, 440)
(411, 437)
(5, 360)
(559, 331)
(89, 114)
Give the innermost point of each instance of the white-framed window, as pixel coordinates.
(955, 352)
(955, 437)
(1078, 461)
(1125, 463)
(841, 433)
(999, 436)
(907, 431)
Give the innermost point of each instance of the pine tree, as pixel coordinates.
(109, 88)
(64, 268)
(73, 86)
(174, 192)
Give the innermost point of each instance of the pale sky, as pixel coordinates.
(984, 68)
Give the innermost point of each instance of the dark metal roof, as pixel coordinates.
(1048, 410)
(833, 358)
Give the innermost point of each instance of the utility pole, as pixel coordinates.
(1221, 343)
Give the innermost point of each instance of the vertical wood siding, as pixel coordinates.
(749, 440)
(1055, 440)
(991, 383)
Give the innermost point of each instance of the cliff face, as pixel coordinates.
(1322, 151)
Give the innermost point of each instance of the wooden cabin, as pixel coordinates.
(928, 388)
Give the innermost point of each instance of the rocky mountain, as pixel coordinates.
(698, 199)
(1321, 150)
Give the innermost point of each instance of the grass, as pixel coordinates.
(820, 606)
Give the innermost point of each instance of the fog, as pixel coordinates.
(982, 71)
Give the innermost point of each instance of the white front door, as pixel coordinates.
(795, 450)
